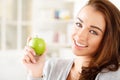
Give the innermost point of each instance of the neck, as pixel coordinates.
(81, 61)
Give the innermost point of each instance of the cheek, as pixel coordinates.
(73, 32)
(94, 44)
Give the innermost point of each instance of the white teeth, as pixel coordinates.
(80, 44)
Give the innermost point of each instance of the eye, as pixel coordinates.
(78, 24)
(93, 32)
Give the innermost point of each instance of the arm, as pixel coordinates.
(46, 72)
(33, 63)
(31, 78)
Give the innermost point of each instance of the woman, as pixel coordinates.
(96, 44)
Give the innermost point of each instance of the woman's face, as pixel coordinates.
(88, 32)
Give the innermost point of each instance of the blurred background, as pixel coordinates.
(49, 19)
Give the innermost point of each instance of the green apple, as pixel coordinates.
(38, 44)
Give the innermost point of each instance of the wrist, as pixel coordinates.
(36, 74)
(34, 78)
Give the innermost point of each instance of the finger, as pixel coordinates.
(32, 58)
(24, 60)
(27, 48)
(30, 55)
(27, 59)
(28, 39)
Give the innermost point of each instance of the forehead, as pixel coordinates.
(90, 16)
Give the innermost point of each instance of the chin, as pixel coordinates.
(77, 53)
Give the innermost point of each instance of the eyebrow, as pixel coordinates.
(80, 19)
(97, 28)
(91, 25)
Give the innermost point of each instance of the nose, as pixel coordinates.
(82, 35)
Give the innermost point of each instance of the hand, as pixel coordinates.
(33, 63)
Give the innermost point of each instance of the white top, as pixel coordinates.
(58, 69)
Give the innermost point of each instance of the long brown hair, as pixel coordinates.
(108, 54)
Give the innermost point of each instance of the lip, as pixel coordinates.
(79, 45)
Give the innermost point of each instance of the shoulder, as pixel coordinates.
(109, 75)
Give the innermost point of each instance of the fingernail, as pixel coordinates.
(34, 53)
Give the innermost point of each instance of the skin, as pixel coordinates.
(33, 63)
(87, 35)
(88, 32)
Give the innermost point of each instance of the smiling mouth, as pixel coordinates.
(79, 44)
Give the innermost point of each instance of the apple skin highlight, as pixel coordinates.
(38, 44)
